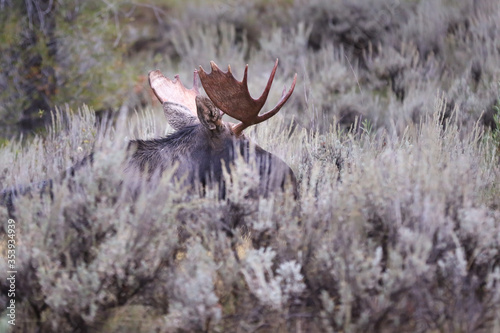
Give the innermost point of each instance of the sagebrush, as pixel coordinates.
(392, 134)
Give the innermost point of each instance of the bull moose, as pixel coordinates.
(203, 144)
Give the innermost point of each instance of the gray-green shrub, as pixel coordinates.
(397, 224)
(399, 235)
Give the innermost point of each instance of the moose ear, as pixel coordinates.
(208, 114)
(178, 116)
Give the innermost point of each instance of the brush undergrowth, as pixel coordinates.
(392, 133)
(389, 234)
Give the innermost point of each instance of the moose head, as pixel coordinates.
(203, 144)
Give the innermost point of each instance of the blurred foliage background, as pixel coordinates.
(381, 60)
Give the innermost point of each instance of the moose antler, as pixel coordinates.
(233, 97)
(174, 91)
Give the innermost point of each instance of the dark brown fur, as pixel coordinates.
(200, 151)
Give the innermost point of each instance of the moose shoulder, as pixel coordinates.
(203, 144)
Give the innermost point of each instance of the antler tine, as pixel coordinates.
(232, 96)
(196, 86)
(264, 95)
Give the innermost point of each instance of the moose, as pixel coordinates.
(203, 144)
